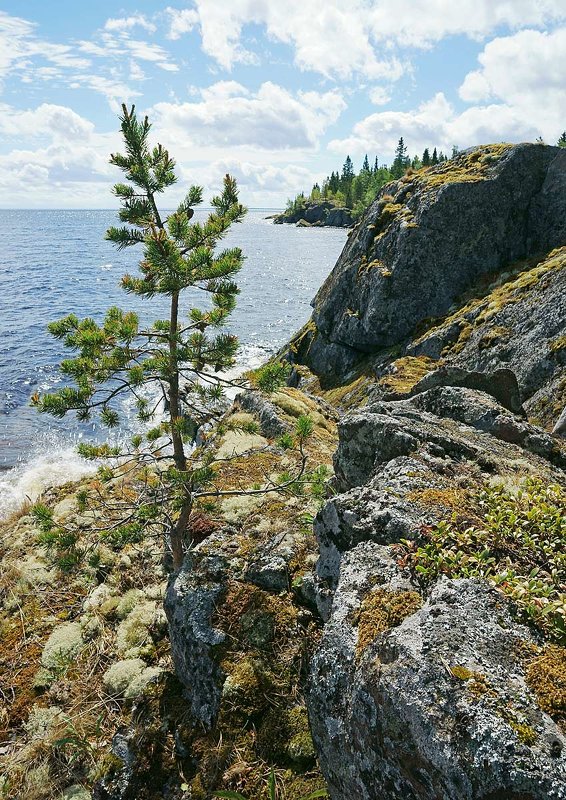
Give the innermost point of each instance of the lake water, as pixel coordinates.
(56, 262)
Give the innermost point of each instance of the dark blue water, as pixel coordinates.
(56, 262)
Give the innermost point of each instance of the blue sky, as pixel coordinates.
(277, 93)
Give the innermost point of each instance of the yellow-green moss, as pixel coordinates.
(558, 344)
(350, 395)
(547, 410)
(381, 610)
(307, 333)
(546, 677)
(494, 336)
(466, 168)
(462, 673)
(453, 498)
(484, 303)
(406, 372)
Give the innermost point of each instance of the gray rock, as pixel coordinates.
(270, 420)
(270, 567)
(517, 330)
(501, 384)
(428, 425)
(560, 427)
(411, 257)
(321, 214)
(190, 604)
(479, 411)
(393, 720)
(389, 717)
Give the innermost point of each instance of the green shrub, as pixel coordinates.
(519, 548)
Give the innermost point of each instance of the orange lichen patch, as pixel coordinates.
(381, 610)
(452, 498)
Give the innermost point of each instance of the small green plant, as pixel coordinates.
(274, 792)
(519, 548)
(271, 376)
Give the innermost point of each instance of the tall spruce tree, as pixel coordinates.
(426, 157)
(180, 360)
(401, 161)
(562, 140)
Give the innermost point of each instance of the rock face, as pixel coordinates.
(428, 239)
(435, 704)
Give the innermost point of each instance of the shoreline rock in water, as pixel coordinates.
(319, 215)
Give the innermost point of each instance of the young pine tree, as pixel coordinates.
(179, 360)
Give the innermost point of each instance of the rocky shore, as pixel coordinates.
(318, 215)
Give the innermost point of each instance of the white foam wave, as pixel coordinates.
(50, 468)
(55, 461)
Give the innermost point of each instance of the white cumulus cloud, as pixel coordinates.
(228, 115)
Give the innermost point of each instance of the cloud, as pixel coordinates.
(69, 168)
(181, 21)
(525, 72)
(341, 40)
(24, 53)
(229, 115)
(379, 96)
(58, 122)
(115, 91)
(317, 30)
(436, 124)
(421, 23)
(127, 23)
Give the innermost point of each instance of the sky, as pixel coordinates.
(276, 93)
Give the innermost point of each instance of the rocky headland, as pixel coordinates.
(394, 628)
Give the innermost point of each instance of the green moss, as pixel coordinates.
(525, 732)
(406, 372)
(486, 300)
(546, 677)
(284, 737)
(381, 610)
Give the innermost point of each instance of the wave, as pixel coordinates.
(54, 460)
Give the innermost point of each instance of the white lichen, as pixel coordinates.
(62, 646)
(129, 678)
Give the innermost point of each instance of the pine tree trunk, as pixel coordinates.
(178, 530)
(178, 535)
(174, 402)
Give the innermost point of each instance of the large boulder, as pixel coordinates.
(430, 237)
(426, 693)
(434, 707)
